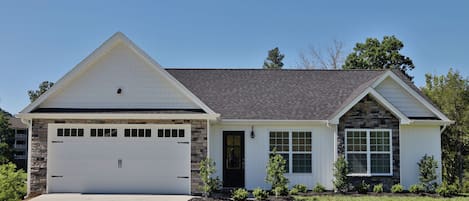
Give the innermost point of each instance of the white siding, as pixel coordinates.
(402, 100)
(257, 151)
(415, 142)
(142, 86)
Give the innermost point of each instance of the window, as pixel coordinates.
(70, 132)
(135, 132)
(103, 132)
(369, 151)
(298, 149)
(170, 133)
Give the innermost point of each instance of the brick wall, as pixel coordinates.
(370, 114)
(39, 147)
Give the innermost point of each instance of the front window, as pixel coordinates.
(369, 151)
(294, 145)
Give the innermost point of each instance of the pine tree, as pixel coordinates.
(274, 59)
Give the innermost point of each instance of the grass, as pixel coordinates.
(373, 198)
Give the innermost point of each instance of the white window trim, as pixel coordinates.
(290, 151)
(369, 152)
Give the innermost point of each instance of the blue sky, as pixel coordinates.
(42, 40)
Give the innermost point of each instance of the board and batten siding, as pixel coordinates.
(415, 142)
(402, 100)
(121, 67)
(257, 153)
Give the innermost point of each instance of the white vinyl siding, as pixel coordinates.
(142, 86)
(369, 152)
(402, 100)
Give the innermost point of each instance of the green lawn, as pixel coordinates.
(373, 198)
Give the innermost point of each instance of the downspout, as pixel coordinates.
(28, 166)
(334, 130)
(208, 138)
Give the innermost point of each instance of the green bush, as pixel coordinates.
(319, 188)
(293, 191)
(275, 172)
(417, 188)
(427, 172)
(301, 188)
(259, 194)
(341, 170)
(362, 188)
(280, 190)
(206, 169)
(397, 188)
(447, 190)
(378, 188)
(12, 183)
(239, 194)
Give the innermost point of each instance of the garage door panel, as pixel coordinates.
(119, 164)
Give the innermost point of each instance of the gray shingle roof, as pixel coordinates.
(275, 94)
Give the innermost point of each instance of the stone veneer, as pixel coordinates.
(370, 114)
(39, 148)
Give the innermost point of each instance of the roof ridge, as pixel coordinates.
(260, 69)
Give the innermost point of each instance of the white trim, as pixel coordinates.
(379, 98)
(412, 92)
(368, 152)
(271, 121)
(115, 39)
(290, 148)
(431, 122)
(114, 116)
(28, 165)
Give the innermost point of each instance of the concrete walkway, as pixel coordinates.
(109, 197)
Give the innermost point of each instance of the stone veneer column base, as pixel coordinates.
(38, 153)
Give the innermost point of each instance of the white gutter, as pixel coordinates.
(270, 121)
(115, 116)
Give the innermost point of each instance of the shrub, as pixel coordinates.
(427, 172)
(378, 188)
(275, 172)
(362, 187)
(239, 194)
(447, 190)
(301, 188)
(417, 188)
(207, 168)
(279, 190)
(12, 182)
(319, 188)
(397, 188)
(293, 191)
(341, 170)
(259, 194)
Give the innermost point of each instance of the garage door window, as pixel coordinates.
(170, 133)
(70, 132)
(103, 132)
(135, 132)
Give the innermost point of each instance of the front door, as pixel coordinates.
(233, 158)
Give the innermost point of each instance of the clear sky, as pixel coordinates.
(42, 40)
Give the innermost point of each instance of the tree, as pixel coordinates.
(276, 173)
(274, 59)
(341, 170)
(206, 170)
(43, 87)
(427, 172)
(12, 182)
(451, 94)
(314, 58)
(375, 54)
(6, 140)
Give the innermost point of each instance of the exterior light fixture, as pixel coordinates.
(119, 91)
(252, 132)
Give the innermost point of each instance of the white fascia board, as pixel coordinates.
(114, 116)
(430, 122)
(270, 122)
(403, 119)
(98, 53)
(412, 92)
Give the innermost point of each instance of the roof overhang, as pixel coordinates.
(271, 122)
(115, 116)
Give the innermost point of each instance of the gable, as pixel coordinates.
(121, 67)
(402, 100)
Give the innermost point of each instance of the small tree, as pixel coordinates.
(12, 182)
(206, 170)
(275, 172)
(427, 172)
(43, 87)
(341, 170)
(274, 59)
(7, 139)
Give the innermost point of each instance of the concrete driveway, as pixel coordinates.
(110, 197)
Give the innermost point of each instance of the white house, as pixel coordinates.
(120, 123)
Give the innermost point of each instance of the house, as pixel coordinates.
(20, 145)
(120, 123)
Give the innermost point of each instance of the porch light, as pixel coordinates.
(252, 132)
(119, 91)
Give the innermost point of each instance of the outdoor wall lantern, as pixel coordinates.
(119, 91)
(252, 132)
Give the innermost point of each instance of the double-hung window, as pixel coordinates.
(369, 151)
(295, 148)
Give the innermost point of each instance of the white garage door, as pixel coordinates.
(119, 158)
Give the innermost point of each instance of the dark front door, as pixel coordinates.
(233, 158)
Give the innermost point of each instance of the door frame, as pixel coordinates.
(242, 133)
